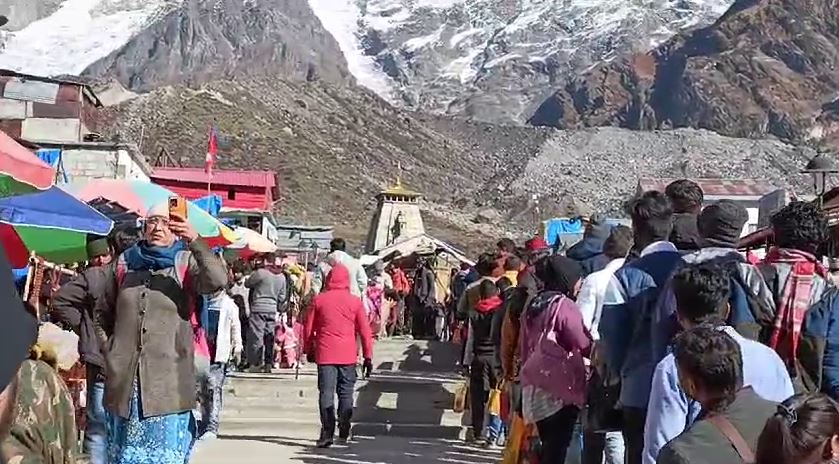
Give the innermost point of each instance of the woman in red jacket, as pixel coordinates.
(335, 319)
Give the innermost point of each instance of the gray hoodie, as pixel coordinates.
(268, 291)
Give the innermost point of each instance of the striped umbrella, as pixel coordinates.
(248, 243)
(20, 170)
(138, 196)
(52, 224)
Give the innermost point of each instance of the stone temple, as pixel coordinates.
(397, 218)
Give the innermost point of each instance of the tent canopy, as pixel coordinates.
(422, 244)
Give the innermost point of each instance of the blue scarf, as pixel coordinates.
(143, 256)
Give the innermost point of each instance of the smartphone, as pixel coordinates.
(177, 207)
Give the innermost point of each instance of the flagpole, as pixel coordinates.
(210, 161)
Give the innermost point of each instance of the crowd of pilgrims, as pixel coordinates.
(659, 343)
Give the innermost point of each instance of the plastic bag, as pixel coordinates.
(506, 405)
(515, 440)
(460, 397)
(494, 402)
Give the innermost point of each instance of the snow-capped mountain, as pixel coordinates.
(145, 44)
(492, 59)
(76, 33)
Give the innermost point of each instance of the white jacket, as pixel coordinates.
(229, 335)
(593, 293)
(358, 278)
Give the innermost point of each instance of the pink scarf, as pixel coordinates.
(795, 300)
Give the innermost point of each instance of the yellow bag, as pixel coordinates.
(460, 397)
(494, 402)
(515, 440)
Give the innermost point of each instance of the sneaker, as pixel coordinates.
(490, 444)
(325, 442)
(470, 436)
(208, 436)
(341, 441)
(255, 370)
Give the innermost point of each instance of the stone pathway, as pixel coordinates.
(403, 414)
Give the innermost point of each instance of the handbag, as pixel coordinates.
(515, 440)
(460, 395)
(602, 414)
(567, 367)
(494, 401)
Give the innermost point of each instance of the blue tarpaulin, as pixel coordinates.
(52, 156)
(555, 228)
(210, 204)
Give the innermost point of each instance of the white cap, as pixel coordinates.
(158, 210)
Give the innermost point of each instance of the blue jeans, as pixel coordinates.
(96, 433)
(603, 448)
(211, 398)
(575, 448)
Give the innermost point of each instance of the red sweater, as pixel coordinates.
(334, 319)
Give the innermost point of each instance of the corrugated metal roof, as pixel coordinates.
(88, 90)
(717, 187)
(265, 179)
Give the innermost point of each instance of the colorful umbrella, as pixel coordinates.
(52, 223)
(139, 197)
(20, 170)
(249, 242)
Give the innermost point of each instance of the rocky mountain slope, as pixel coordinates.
(491, 60)
(145, 44)
(334, 148)
(206, 40)
(766, 67)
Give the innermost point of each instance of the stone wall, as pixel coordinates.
(88, 163)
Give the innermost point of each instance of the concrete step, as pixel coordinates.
(421, 401)
(278, 386)
(410, 395)
(427, 416)
(300, 429)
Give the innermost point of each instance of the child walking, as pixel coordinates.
(224, 337)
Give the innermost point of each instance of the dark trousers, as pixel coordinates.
(261, 329)
(332, 379)
(483, 377)
(633, 433)
(556, 433)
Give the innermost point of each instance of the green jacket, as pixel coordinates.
(44, 430)
(703, 443)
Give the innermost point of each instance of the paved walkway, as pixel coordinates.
(403, 415)
(363, 450)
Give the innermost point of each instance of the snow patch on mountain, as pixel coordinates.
(437, 54)
(78, 34)
(340, 18)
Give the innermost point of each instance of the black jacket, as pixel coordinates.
(589, 253)
(685, 233)
(72, 307)
(482, 335)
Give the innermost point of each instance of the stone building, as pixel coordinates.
(55, 118)
(397, 218)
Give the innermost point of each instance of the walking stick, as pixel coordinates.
(297, 364)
